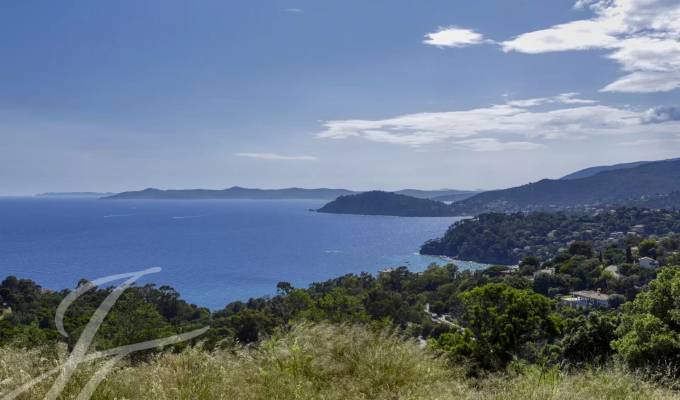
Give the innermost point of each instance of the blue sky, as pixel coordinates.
(382, 94)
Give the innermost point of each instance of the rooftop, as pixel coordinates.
(591, 294)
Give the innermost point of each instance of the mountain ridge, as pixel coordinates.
(613, 187)
(590, 171)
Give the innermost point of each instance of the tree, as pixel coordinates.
(283, 288)
(500, 323)
(340, 306)
(251, 325)
(650, 329)
(588, 339)
(648, 248)
(579, 248)
(543, 282)
(629, 255)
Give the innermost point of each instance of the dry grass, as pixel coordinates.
(321, 362)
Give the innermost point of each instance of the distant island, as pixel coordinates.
(386, 203)
(237, 192)
(74, 194)
(234, 192)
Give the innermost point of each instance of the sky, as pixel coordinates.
(381, 94)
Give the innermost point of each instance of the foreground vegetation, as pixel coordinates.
(500, 332)
(485, 320)
(324, 362)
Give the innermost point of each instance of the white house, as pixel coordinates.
(649, 263)
(586, 299)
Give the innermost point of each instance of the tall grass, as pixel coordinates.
(321, 362)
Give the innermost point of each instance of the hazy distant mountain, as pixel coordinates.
(440, 194)
(615, 187)
(234, 193)
(74, 194)
(273, 194)
(386, 203)
(584, 173)
(457, 195)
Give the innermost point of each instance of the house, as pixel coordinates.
(586, 299)
(617, 235)
(638, 228)
(648, 263)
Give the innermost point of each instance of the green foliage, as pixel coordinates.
(508, 238)
(650, 330)
(311, 362)
(581, 248)
(647, 248)
(141, 313)
(587, 339)
(501, 323)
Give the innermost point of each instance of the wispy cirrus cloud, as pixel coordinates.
(564, 98)
(453, 36)
(642, 36)
(273, 156)
(295, 10)
(514, 125)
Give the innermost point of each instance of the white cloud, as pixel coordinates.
(577, 35)
(272, 156)
(662, 114)
(453, 37)
(565, 98)
(502, 126)
(643, 36)
(295, 10)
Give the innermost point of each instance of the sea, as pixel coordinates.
(211, 251)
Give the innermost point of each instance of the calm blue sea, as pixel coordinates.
(213, 252)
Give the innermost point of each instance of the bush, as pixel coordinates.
(322, 362)
(650, 330)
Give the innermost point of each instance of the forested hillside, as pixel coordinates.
(617, 187)
(507, 238)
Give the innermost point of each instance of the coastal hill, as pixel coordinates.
(386, 203)
(650, 184)
(496, 238)
(616, 187)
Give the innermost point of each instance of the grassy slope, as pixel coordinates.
(323, 362)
